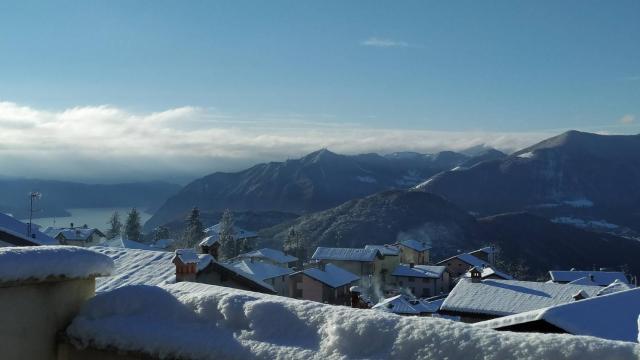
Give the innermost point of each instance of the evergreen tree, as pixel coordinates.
(161, 232)
(115, 226)
(194, 230)
(296, 245)
(133, 229)
(228, 245)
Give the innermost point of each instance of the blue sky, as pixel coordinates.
(464, 66)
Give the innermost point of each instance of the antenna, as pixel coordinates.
(34, 195)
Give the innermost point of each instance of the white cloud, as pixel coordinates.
(383, 42)
(106, 143)
(627, 119)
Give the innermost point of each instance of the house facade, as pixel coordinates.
(422, 281)
(413, 251)
(365, 263)
(328, 284)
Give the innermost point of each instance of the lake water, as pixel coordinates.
(93, 217)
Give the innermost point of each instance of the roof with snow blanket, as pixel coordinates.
(73, 234)
(401, 304)
(345, 254)
(488, 271)
(332, 275)
(276, 256)
(197, 321)
(419, 271)
(507, 297)
(119, 242)
(136, 267)
(18, 231)
(213, 233)
(385, 250)
(260, 270)
(467, 258)
(415, 245)
(34, 263)
(187, 256)
(611, 316)
(602, 278)
(487, 250)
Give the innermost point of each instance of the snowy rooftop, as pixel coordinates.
(332, 275)
(610, 316)
(276, 256)
(487, 250)
(345, 254)
(415, 245)
(261, 270)
(238, 233)
(43, 262)
(197, 321)
(401, 304)
(119, 242)
(420, 271)
(385, 250)
(615, 287)
(19, 229)
(136, 267)
(469, 259)
(187, 256)
(210, 240)
(487, 271)
(506, 297)
(601, 278)
(74, 234)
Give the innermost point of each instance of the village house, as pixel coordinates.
(77, 236)
(327, 284)
(612, 316)
(267, 272)
(474, 299)
(486, 253)
(413, 251)
(365, 263)
(390, 259)
(405, 305)
(599, 278)
(458, 265)
(421, 280)
(14, 232)
(275, 257)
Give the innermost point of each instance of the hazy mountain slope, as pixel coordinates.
(595, 176)
(383, 218)
(542, 245)
(314, 182)
(60, 195)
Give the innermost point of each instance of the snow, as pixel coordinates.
(601, 278)
(401, 304)
(17, 228)
(487, 271)
(579, 203)
(585, 224)
(73, 234)
(187, 256)
(474, 261)
(614, 287)
(385, 250)
(42, 262)
(119, 242)
(527, 155)
(273, 255)
(238, 233)
(197, 321)
(367, 179)
(136, 267)
(331, 275)
(419, 271)
(345, 254)
(507, 297)
(260, 270)
(415, 245)
(609, 317)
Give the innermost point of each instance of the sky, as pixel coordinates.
(106, 91)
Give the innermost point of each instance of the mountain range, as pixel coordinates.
(317, 181)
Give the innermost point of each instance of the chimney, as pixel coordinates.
(185, 271)
(72, 225)
(580, 295)
(476, 275)
(412, 265)
(355, 296)
(321, 266)
(591, 277)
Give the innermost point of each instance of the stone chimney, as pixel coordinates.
(186, 265)
(476, 275)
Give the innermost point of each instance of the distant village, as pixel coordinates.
(400, 277)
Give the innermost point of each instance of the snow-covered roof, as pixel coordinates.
(331, 275)
(276, 256)
(17, 228)
(610, 316)
(73, 234)
(136, 267)
(469, 259)
(487, 271)
(197, 321)
(210, 240)
(385, 250)
(119, 242)
(345, 254)
(42, 262)
(163, 243)
(187, 256)
(238, 233)
(506, 297)
(487, 250)
(420, 271)
(261, 270)
(615, 286)
(401, 304)
(415, 245)
(602, 278)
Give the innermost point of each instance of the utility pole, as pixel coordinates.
(34, 195)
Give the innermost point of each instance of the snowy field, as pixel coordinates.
(196, 321)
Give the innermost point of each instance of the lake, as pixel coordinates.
(93, 217)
